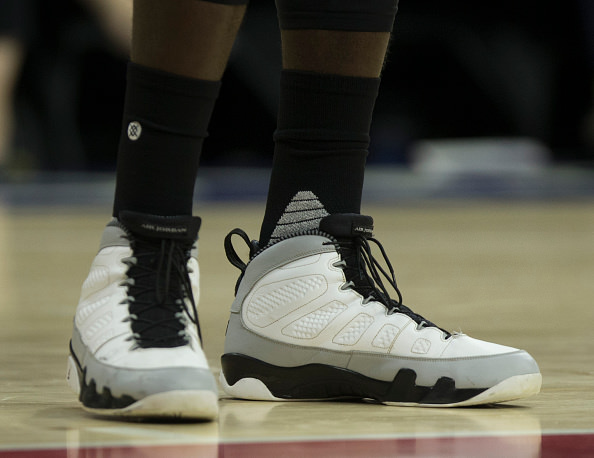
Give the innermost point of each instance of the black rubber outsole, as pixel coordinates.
(319, 381)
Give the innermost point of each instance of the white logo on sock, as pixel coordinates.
(134, 130)
(303, 212)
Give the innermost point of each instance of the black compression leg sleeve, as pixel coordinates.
(227, 2)
(347, 15)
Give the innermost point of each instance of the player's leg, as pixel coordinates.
(136, 347)
(16, 26)
(313, 317)
(329, 84)
(179, 52)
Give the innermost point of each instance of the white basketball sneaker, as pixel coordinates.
(312, 320)
(136, 347)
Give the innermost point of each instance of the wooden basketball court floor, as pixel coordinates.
(518, 273)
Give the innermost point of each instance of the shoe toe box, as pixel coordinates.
(463, 346)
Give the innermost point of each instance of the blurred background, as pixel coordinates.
(496, 97)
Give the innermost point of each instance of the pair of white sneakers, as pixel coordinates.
(312, 320)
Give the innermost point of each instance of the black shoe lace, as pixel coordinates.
(364, 274)
(160, 298)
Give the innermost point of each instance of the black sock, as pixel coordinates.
(321, 146)
(165, 122)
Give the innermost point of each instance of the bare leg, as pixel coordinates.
(335, 52)
(186, 37)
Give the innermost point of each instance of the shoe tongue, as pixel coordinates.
(184, 228)
(347, 225)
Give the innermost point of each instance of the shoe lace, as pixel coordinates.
(366, 275)
(160, 295)
(362, 270)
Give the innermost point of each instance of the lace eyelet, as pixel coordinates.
(347, 285)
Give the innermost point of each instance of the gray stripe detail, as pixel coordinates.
(139, 383)
(304, 212)
(473, 372)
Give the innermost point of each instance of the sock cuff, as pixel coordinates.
(169, 103)
(349, 15)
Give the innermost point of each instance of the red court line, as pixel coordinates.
(547, 446)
